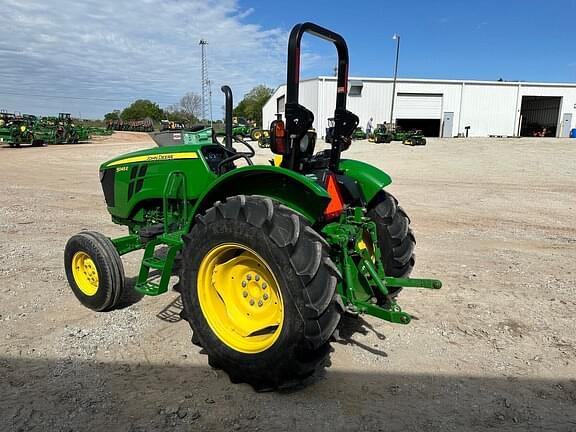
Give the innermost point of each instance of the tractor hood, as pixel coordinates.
(152, 155)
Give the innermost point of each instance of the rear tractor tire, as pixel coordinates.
(259, 291)
(395, 238)
(94, 270)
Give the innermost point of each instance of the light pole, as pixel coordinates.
(396, 37)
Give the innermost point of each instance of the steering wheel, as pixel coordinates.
(237, 155)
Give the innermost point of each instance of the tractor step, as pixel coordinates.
(149, 288)
(154, 262)
(163, 265)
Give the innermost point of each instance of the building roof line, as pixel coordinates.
(450, 81)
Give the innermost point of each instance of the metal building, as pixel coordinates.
(444, 108)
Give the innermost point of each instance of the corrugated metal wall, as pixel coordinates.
(489, 108)
(269, 109)
(308, 97)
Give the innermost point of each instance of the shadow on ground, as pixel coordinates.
(66, 395)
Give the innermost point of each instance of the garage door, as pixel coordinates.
(418, 106)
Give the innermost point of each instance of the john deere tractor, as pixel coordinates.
(269, 257)
(386, 133)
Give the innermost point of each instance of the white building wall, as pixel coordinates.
(376, 99)
(489, 108)
(307, 96)
(269, 109)
(373, 102)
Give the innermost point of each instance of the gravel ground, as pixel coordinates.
(495, 349)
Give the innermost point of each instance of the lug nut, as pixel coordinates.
(257, 278)
(251, 302)
(245, 294)
(260, 303)
(264, 285)
(265, 296)
(248, 277)
(243, 284)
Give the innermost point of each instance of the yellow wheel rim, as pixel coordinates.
(85, 273)
(240, 298)
(257, 135)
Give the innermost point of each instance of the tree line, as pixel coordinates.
(188, 109)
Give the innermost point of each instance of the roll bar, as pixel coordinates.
(293, 79)
(298, 118)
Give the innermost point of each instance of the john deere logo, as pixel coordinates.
(160, 157)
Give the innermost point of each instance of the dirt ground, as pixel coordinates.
(495, 349)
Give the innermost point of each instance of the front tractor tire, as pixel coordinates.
(259, 291)
(256, 134)
(94, 270)
(395, 238)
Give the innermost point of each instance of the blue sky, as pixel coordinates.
(93, 56)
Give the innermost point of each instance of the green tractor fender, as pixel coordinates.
(371, 179)
(294, 190)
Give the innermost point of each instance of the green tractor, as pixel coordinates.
(414, 138)
(268, 257)
(381, 134)
(359, 134)
(385, 133)
(241, 129)
(16, 129)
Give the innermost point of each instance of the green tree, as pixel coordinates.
(114, 115)
(251, 106)
(141, 109)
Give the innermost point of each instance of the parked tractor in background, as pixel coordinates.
(270, 257)
(359, 134)
(242, 128)
(386, 133)
(263, 138)
(16, 129)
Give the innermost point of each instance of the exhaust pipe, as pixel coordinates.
(228, 119)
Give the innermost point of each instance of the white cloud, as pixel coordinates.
(112, 52)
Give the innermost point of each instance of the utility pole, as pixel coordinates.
(205, 81)
(396, 37)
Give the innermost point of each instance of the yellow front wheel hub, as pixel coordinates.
(85, 273)
(240, 298)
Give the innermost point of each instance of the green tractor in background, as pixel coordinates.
(381, 134)
(269, 257)
(59, 130)
(359, 134)
(66, 132)
(17, 129)
(241, 129)
(386, 133)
